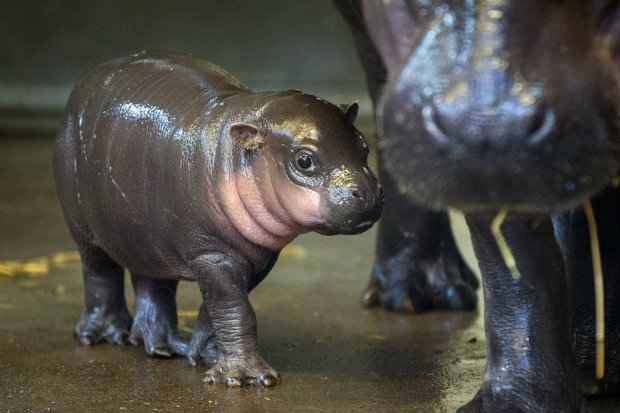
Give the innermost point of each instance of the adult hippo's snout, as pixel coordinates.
(498, 104)
(466, 115)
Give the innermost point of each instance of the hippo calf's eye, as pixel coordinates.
(305, 160)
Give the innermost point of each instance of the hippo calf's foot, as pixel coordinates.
(202, 347)
(202, 350)
(106, 316)
(103, 324)
(239, 371)
(155, 322)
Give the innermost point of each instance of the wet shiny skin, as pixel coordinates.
(169, 167)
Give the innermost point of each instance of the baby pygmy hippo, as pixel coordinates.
(169, 167)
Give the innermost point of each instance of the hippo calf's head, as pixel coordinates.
(499, 103)
(304, 167)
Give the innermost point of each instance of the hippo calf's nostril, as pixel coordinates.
(356, 194)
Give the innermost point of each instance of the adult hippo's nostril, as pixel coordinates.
(511, 123)
(542, 127)
(431, 126)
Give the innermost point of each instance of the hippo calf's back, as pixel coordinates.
(131, 162)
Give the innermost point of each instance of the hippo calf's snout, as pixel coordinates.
(354, 201)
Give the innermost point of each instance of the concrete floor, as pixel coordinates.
(333, 355)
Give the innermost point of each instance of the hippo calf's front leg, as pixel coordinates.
(528, 321)
(225, 281)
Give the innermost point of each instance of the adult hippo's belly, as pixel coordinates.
(514, 105)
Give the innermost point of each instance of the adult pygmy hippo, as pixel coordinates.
(168, 166)
(487, 105)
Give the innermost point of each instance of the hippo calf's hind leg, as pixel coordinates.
(224, 284)
(155, 322)
(106, 316)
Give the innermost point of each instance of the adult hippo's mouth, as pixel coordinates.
(497, 172)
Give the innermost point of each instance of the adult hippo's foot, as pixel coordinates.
(402, 284)
(417, 265)
(155, 322)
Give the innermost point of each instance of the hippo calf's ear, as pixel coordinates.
(350, 111)
(246, 135)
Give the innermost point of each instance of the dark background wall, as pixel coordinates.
(268, 44)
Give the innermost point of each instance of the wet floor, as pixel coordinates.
(333, 355)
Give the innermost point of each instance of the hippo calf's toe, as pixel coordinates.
(169, 167)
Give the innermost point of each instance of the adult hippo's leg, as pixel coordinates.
(528, 321)
(417, 265)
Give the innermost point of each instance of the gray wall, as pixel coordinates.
(269, 44)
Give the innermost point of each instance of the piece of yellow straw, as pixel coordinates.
(504, 249)
(599, 290)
